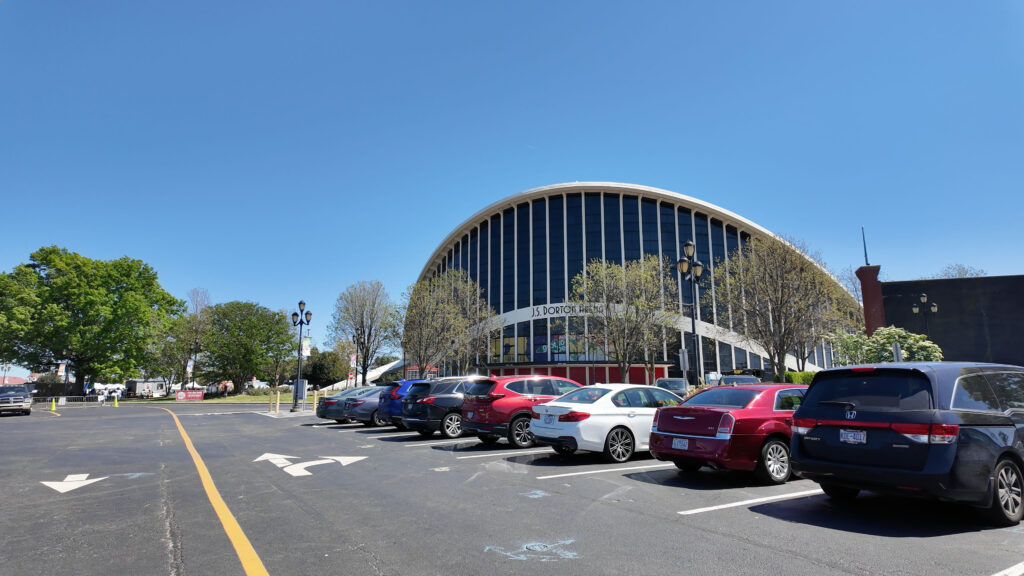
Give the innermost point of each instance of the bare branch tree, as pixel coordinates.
(365, 313)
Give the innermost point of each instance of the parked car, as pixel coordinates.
(384, 404)
(611, 418)
(743, 427)
(391, 404)
(947, 430)
(332, 407)
(16, 398)
(678, 386)
(364, 408)
(500, 407)
(436, 405)
(730, 379)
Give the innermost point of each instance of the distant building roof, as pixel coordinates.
(13, 380)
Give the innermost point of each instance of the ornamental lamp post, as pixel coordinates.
(300, 321)
(691, 269)
(926, 311)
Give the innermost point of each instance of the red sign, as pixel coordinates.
(188, 395)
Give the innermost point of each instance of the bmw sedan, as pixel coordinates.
(614, 419)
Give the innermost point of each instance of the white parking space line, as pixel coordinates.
(754, 501)
(515, 453)
(650, 467)
(1017, 570)
(441, 442)
(391, 435)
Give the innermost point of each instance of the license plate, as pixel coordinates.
(853, 436)
(549, 419)
(681, 443)
(469, 415)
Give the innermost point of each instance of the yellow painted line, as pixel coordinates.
(251, 562)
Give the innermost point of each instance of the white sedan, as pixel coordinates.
(611, 418)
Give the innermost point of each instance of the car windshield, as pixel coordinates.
(740, 380)
(726, 397)
(585, 395)
(12, 389)
(877, 390)
(672, 384)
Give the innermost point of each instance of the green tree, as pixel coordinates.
(100, 316)
(325, 368)
(857, 348)
(17, 301)
(626, 308)
(849, 348)
(243, 338)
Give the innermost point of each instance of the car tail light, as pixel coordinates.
(654, 424)
(573, 416)
(916, 432)
(427, 400)
(863, 369)
(803, 425)
(355, 403)
(943, 433)
(394, 394)
(491, 397)
(330, 402)
(534, 415)
(725, 425)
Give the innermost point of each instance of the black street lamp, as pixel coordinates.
(690, 269)
(926, 311)
(300, 321)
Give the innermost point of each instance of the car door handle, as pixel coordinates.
(632, 413)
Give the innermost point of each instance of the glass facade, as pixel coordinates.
(525, 255)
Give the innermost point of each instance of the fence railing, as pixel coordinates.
(67, 401)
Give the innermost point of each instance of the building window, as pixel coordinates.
(631, 227)
(508, 260)
(649, 213)
(556, 250)
(573, 236)
(725, 356)
(523, 255)
(719, 316)
(595, 241)
(523, 344)
(704, 255)
(508, 344)
(482, 251)
(684, 219)
(540, 340)
(612, 229)
(540, 253)
(559, 344)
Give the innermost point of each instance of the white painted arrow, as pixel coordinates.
(300, 468)
(72, 481)
(279, 460)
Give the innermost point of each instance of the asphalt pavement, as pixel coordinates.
(108, 491)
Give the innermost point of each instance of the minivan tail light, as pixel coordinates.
(573, 416)
(943, 433)
(726, 423)
(916, 432)
(803, 425)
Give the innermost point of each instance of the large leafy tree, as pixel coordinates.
(856, 348)
(325, 368)
(779, 297)
(243, 337)
(365, 314)
(626, 308)
(100, 316)
(17, 301)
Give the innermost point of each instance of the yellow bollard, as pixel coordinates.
(53, 404)
(115, 400)
(277, 407)
(270, 405)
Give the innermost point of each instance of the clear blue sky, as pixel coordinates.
(272, 151)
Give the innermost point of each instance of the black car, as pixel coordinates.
(435, 405)
(953, 431)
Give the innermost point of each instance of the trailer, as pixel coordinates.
(146, 389)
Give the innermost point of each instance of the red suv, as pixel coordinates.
(497, 407)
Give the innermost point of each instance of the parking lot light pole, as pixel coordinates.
(926, 311)
(300, 321)
(690, 269)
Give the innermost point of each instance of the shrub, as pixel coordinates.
(799, 377)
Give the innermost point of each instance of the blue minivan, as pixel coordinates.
(952, 431)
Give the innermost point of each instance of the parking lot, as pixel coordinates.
(116, 491)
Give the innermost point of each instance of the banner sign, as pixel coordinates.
(190, 365)
(188, 395)
(60, 369)
(307, 344)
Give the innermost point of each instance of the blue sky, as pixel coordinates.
(277, 151)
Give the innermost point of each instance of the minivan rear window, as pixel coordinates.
(878, 390)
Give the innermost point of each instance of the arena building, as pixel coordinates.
(525, 249)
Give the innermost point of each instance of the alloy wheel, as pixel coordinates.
(1009, 487)
(521, 435)
(620, 445)
(777, 461)
(452, 426)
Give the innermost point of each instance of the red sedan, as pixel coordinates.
(744, 427)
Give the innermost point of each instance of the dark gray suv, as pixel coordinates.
(947, 430)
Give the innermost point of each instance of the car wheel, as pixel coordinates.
(773, 467)
(27, 412)
(378, 421)
(686, 466)
(565, 450)
(839, 493)
(425, 433)
(342, 420)
(1007, 509)
(519, 434)
(488, 439)
(400, 426)
(618, 447)
(451, 426)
